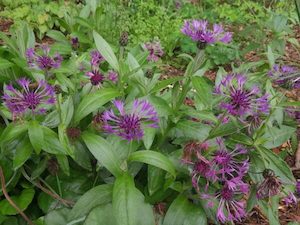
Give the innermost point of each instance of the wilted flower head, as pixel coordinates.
(127, 123)
(112, 76)
(155, 50)
(43, 61)
(30, 97)
(270, 186)
(230, 209)
(192, 149)
(96, 58)
(96, 77)
(285, 75)
(240, 100)
(73, 133)
(199, 31)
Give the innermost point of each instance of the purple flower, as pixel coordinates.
(44, 61)
(240, 100)
(199, 31)
(229, 168)
(112, 76)
(96, 77)
(29, 97)
(270, 186)
(285, 75)
(96, 58)
(230, 209)
(290, 199)
(128, 124)
(155, 51)
(75, 42)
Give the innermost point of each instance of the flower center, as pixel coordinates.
(32, 100)
(201, 167)
(45, 62)
(223, 158)
(226, 193)
(97, 78)
(240, 99)
(130, 126)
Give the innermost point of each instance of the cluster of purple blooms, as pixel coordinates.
(285, 75)
(96, 76)
(226, 168)
(31, 97)
(199, 31)
(155, 51)
(44, 61)
(240, 100)
(128, 124)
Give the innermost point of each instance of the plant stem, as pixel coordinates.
(10, 201)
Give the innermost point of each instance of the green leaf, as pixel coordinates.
(22, 201)
(148, 138)
(183, 212)
(12, 132)
(5, 64)
(51, 143)
(23, 152)
(224, 130)
(94, 101)
(36, 135)
(277, 136)
(129, 206)
(58, 36)
(155, 159)
(67, 110)
(106, 51)
(101, 215)
(103, 152)
(57, 217)
(191, 130)
(96, 196)
(271, 57)
(204, 90)
(165, 83)
(277, 164)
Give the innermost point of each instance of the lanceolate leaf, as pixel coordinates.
(36, 136)
(129, 206)
(103, 152)
(101, 215)
(106, 51)
(94, 101)
(23, 152)
(99, 195)
(183, 212)
(155, 159)
(12, 132)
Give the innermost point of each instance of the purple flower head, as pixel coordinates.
(128, 123)
(199, 31)
(230, 209)
(285, 75)
(229, 167)
(155, 51)
(96, 58)
(43, 61)
(290, 199)
(112, 76)
(96, 77)
(31, 97)
(270, 186)
(75, 42)
(240, 100)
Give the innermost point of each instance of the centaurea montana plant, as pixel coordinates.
(285, 75)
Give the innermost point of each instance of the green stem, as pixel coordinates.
(58, 185)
